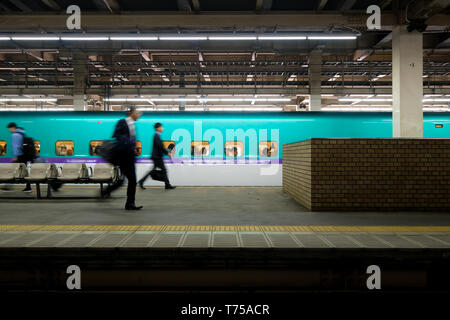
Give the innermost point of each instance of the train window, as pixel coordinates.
(234, 148)
(268, 148)
(138, 149)
(65, 148)
(169, 144)
(200, 148)
(95, 147)
(37, 146)
(2, 147)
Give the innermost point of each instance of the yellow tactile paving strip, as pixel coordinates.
(240, 228)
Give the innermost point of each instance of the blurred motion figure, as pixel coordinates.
(22, 147)
(124, 154)
(158, 152)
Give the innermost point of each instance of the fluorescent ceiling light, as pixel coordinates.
(277, 37)
(36, 38)
(19, 99)
(36, 109)
(331, 37)
(364, 99)
(201, 99)
(183, 38)
(437, 109)
(179, 37)
(134, 38)
(249, 109)
(87, 38)
(437, 100)
(232, 37)
(355, 109)
(158, 109)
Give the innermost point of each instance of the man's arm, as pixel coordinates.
(161, 146)
(121, 133)
(17, 142)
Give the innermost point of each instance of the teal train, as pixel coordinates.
(210, 148)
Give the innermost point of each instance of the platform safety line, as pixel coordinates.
(404, 228)
(230, 228)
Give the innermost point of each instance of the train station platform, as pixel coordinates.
(220, 239)
(219, 206)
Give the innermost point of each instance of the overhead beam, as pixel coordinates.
(444, 44)
(52, 4)
(263, 5)
(422, 10)
(5, 8)
(386, 39)
(22, 6)
(347, 5)
(67, 92)
(196, 4)
(146, 55)
(35, 54)
(107, 5)
(360, 55)
(385, 3)
(122, 22)
(321, 4)
(183, 5)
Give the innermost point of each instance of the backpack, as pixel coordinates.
(28, 149)
(108, 151)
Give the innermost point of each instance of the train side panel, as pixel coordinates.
(250, 168)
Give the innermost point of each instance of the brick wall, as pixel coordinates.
(368, 173)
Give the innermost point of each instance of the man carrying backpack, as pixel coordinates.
(22, 148)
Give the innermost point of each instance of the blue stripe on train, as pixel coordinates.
(170, 160)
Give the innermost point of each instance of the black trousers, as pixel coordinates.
(21, 159)
(158, 163)
(128, 170)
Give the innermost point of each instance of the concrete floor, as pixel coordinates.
(191, 206)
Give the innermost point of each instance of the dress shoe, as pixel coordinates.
(27, 190)
(170, 187)
(133, 207)
(141, 185)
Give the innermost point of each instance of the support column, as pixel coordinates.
(80, 71)
(315, 81)
(407, 83)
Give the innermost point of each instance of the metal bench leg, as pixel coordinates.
(49, 190)
(38, 190)
(101, 189)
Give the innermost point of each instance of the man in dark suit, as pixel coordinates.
(157, 156)
(125, 154)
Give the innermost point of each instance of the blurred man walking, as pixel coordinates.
(157, 157)
(22, 148)
(125, 156)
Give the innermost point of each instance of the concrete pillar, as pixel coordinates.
(407, 83)
(80, 72)
(315, 73)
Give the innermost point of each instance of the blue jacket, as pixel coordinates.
(17, 142)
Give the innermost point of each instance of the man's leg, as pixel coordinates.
(130, 173)
(142, 180)
(160, 164)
